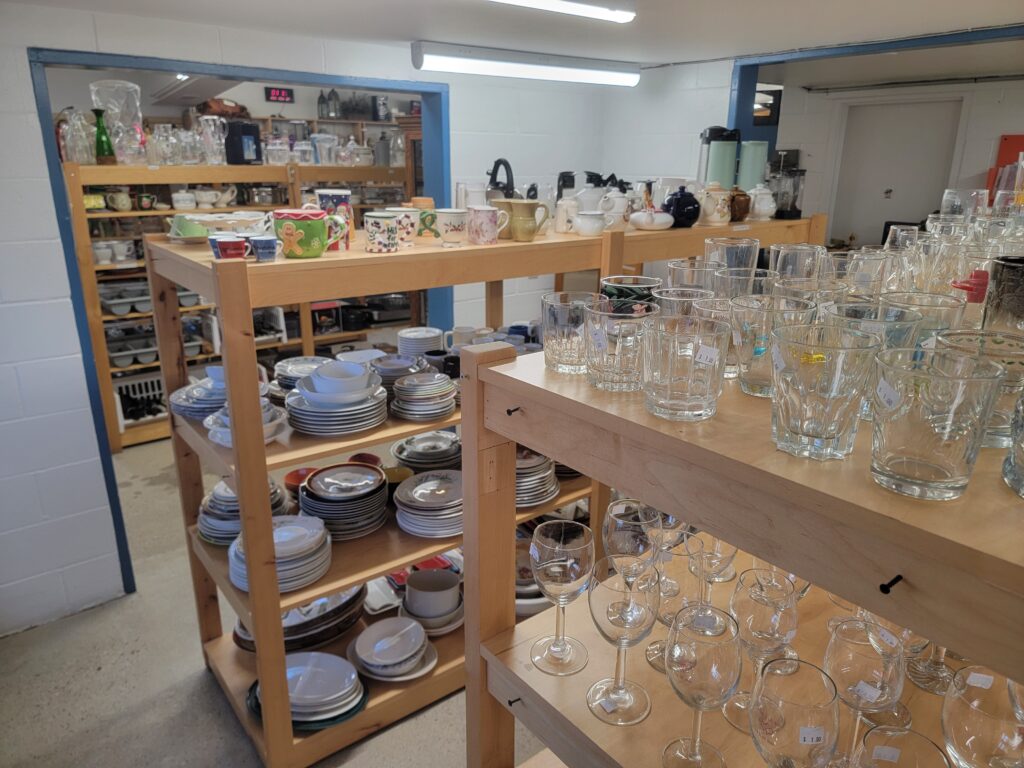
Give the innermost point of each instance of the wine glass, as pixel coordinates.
(681, 584)
(562, 559)
(764, 605)
(704, 670)
(632, 533)
(885, 746)
(979, 721)
(718, 557)
(802, 586)
(844, 605)
(619, 701)
(899, 715)
(868, 673)
(674, 530)
(931, 673)
(794, 715)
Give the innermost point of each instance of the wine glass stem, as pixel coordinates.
(938, 656)
(856, 730)
(620, 671)
(698, 715)
(708, 584)
(558, 645)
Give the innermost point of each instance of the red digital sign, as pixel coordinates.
(279, 95)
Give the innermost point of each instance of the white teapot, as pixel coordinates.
(615, 203)
(651, 219)
(762, 205)
(714, 205)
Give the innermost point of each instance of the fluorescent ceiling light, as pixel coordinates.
(181, 76)
(621, 12)
(471, 60)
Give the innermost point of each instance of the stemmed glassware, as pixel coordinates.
(632, 534)
(562, 560)
(703, 669)
(681, 583)
(764, 605)
(718, 557)
(898, 716)
(867, 670)
(794, 715)
(888, 747)
(931, 673)
(624, 610)
(980, 722)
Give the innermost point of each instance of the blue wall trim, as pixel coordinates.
(438, 184)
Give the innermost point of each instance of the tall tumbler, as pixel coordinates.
(678, 301)
(693, 273)
(721, 309)
(1013, 465)
(797, 259)
(865, 272)
(562, 320)
(1004, 306)
(734, 252)
(823, 291)
(613, 344)
(938, 312)
(684, 359)
(753, 320)
(743, 282)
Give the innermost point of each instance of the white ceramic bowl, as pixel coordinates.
(307, 387)
(341, 376)
(374, 650)
(435, 622)
(432, 594)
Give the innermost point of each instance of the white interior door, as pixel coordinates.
(895, 165)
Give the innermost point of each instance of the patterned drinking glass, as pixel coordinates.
(889, 747)
(684, 360)
(681, 583)
(796, 259)
(863, 271)
(678, 301)
(823, 291)
(1004, 303)
(721, 309)
(563, 318)
(624, 290)
(734, 252)
(693, 273)
(938, 312)
(820, 375)
(753, 320)
(945, 224)
(613, 345)
(930, 409)
(730, 283)
(1013, 464)
(980, 724)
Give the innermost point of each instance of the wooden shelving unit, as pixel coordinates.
(239, 286)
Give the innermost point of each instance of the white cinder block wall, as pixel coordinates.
(57, 552)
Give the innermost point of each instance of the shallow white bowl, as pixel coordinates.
(341, 376)
(307, 386)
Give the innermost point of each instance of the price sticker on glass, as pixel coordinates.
(887, 393)
(812, 734)
(777, 359)
(706, 355)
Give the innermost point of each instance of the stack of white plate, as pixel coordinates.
(393, 649)
(219, 423)
(393, 367)
(423, 397)
(431, 450)
(416, 341)
(430, 504)
(302, 549)
(535, 478)
(321, 686)
(350, 498)
(289, 371)
(314, 623)
(197, 401)
(219, 521)
(338, 419)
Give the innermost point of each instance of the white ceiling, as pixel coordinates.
(664, 30)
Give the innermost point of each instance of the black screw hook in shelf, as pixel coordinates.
(886, 588)
(513, 701)
(510, 411)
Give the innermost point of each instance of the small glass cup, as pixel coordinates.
(824, 292)
(1013, 464)
(979, 722)
(734, 252)
(693, 273)
(563, 318)
(865, 272)
(753, 320)
(1004, 307)
(684, 360)
(930, 410)
(801, 260)
(721, 309)
(945, 224)
(938, 312)
(613, 345)
(902, 236)
(623, 290)
(962, 270)
(730, 283)
(678, 301)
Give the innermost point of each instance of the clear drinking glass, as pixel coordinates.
(887, 747)
(979, 722)
(901, 236)
(963, 270)
(1013, 464)
(683, 366)
(678, 302)
(1004, 303)
(887, 632)
(734, 252)
(865, 272)
(613, 345)
(693, 273)
(753, 320)
(562, 559)
(868, 674)
(681, 583)
(563, 318)
(820, 376)
(794, 715)
(624, 290)
(764, 605)
(802, 586)
(624, 610)
(931, 673)
(718, 557)
(730, 283)
(704, 670)
(632, 532)
(945, 224)
(721, 309)
(1007, 349)
(938, 312)
(801, 260)
(930, 409)
(824, 292)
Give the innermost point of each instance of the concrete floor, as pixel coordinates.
(124, 684)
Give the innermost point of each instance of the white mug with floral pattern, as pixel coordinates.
(485, 222)
(452, 223)
(381, 232)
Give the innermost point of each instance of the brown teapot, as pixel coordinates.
(739, 205)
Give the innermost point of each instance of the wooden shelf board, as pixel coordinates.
(338, 336)
(172, 212)
(121, 265)
(138, 315)
(340, 173)
(100, 175)
(278, 344)
(156, 429)
(156, 364)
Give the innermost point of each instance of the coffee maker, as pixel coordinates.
(786, 183)
(717, 162)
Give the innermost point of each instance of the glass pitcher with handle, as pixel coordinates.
(212, 131)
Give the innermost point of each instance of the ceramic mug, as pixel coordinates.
(120, 249)
(120, 201)
(432, 593)
(381, 230)
(346, 220)
(145, 201)
(337, 202)
(485, 223)
(265, 247)
(306, 234)
(183, 201)
(212, 240)
(505, 205)
(427, 226)
(591, 223)
(525, 221)
(452, 223)
(407, 220)
(102, 253)
(460, 335)
(94, 202)
(233, 248)
(564, 212)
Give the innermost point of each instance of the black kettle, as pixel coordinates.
(501, 189)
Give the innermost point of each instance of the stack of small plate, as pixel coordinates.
(393, 367)
(394, 649)
(350, 498)
(535, 478)
(315, 623)
(324, 689)
(290, 370)
(430, 504)
(416, 341)
(302, 550)
(219, 521)
(197, 401)
(431, 450)
(339, 419)
(423, 397)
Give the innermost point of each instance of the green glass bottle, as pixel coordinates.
(104, 147)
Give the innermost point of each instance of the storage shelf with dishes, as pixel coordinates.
(171, 212)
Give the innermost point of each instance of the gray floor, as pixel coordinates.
(124, 684)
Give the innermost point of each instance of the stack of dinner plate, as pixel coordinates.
(430, 450)
(393, 367)
(219, 423)
(336, 419)
(287, 372)
(302, 549)
(416, 341)
(315, 623)
(350, 498)
(429, 505)
(535, 478)
(219, 520)
(197, 401)
(423, 397)
(393, 650)
(323, 689)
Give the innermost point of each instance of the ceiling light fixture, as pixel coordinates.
(472, 60)
(619, 11)
(181, 76)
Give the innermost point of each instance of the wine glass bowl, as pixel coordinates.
(889, 747)
(681, 584)
(979, 722)
(632, 533)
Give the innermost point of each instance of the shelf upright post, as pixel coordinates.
(494, 304)
(489, 491)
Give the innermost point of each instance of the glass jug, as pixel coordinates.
(167, 148)
(77, 138)
(277, 151)
(121, 102)
(325, 146)
(191, 147)
(212, 131)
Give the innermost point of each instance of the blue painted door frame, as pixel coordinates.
(436, 174)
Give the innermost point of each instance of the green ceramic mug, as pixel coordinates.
(306, 234)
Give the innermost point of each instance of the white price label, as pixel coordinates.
(887, 394)
(704, 621)
(870, 326)
(979, 680)
(888, 637)
(599, 339)
(741, 227)
(812, 734)
(867, 692)
(888, 754)
(665, 556)
(706, 355)
(928, 343)
(825, 307)
(737, 338)
(777, 360)
(790, 636)
(608, 705)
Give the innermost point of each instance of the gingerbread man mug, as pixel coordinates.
(306, 234)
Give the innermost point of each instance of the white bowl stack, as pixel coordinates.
(429, 505)
(321, 686)
(416, 341)
(536, 482)
(430, 450)
(423, 397)
(337, 398)
(393, 367)
(219, 423)
(350, 498)
(219, 514)
(302, 549)
(394, 649)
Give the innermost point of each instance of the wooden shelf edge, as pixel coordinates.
(108, 318)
